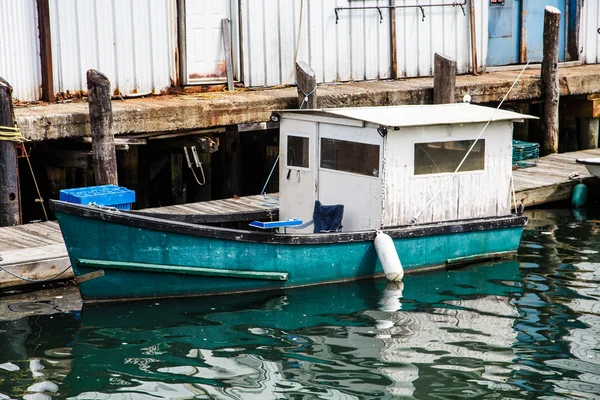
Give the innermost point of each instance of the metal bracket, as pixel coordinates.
(423, 13)
(462, 7)
(88, 277)
(380, 15)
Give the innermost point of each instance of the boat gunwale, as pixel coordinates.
(145, 221)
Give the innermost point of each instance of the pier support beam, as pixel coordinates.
(550, 78)
(9, 173)
(307, 86)
(444, 79)
(587, 133)
(101, 121)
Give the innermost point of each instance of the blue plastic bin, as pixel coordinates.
(105, 195)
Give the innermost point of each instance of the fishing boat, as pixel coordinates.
(592, 165)
(435, 178)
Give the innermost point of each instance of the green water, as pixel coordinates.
(526, 328)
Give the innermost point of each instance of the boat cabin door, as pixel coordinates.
(297, 170)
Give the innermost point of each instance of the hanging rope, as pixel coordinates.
(40, 199)
(11, 134)
(416, 217)
(34, 280)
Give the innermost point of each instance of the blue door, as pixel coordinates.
(533, 21)
(504, 32)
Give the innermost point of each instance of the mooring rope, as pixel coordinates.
(11, 134)
(416, 217)
(34, 280)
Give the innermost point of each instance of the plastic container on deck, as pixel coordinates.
(105, 195)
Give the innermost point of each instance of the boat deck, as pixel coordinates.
(37, 251)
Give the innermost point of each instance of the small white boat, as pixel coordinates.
(592, 165)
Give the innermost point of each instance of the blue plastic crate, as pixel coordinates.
(105, 195)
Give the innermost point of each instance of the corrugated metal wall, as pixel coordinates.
(590, 32)
(444, 30)
(128, 40)
(20, 49)
(358, 47)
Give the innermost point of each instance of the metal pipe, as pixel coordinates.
(420, 6)
(473, 39)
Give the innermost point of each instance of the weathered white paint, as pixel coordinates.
(444, 30)
(589, 34)
(20, 48)
(397, 195)
(297, 193)
(360, 194)
(204, 40)
(467, 195)
(358, 46)
(128, 40)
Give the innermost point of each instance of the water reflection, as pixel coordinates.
(519, 329)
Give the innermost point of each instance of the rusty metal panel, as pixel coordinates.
(446, 30)
(19, 48)
(590, 32)
(357, 47)
(128, 40)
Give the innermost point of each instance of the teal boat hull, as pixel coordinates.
(120, 255)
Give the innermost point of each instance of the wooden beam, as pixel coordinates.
(45, 50)
(444, 79)
(587, 133)
(393, 41)
(119, 141)
(226, 28)
(550, 78)
(472, 25)
(10, 202)
(307, 86)
(69, 158)
(177, 192)
(101, 121)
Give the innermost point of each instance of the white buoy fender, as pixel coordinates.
(386, 251)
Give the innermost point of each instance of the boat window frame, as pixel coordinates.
(300, 135)
(473, 171)
(380, 157)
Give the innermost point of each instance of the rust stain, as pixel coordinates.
(220, 71)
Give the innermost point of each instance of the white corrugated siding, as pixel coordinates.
(20, 49)
(444, 30)
(589, 35)
(358, 47)
(128, 40)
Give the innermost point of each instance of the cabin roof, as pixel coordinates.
(418, 115)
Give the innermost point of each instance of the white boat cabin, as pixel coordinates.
(384, 164)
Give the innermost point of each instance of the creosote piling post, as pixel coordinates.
(307, 86)
(550, 78)
(444, 79)
(101, 121)
(9, 173)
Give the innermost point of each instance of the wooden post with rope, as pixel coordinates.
(307, 86)
(101, 121)
(550, 78)
(10, 207)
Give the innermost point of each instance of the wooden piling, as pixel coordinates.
(10, 210)
(444, 79)
(226, 28)
(101, 121)
(587, 132)
(307, 86)
(550, 78)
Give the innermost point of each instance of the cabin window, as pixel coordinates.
(353, 157)
(497, 2)
(297, 151)
(439, 157)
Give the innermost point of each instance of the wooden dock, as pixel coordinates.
(550, 180)
(36, 251)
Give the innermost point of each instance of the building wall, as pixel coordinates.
(128, 40)
(589, 34)
(358, 46)
(20, 48)
(466, 195)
